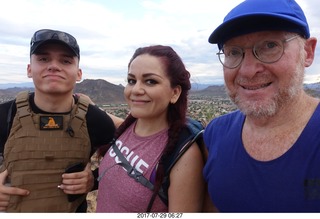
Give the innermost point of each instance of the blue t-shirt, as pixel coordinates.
(239, 183)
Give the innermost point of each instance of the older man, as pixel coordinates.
(265, 157)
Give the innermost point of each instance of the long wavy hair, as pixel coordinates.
(177, 112)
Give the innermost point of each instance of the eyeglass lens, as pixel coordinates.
(267, 51)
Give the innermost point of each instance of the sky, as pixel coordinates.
(109, 31)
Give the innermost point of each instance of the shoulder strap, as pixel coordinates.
(83, 104)
(187, 137)
(23, 110)
(78, 115)
(131, 171)
(193, 133)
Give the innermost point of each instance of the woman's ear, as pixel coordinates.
(176, 94)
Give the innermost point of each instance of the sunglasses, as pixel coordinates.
(46, 34)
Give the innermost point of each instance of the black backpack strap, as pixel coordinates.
(131, 171)
(187, 137)
(192, 133)
(9, 118)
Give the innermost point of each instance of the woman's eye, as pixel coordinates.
(151, 82)
(130, 81)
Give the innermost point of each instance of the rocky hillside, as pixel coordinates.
(103, 92)
(100, 91)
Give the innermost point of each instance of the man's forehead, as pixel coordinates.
(251, 37)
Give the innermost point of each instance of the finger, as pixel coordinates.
(13, 190)
(71, 176)
(3, 208)
(78, 177)
(72, 189)
(77, 186)
(4, 200)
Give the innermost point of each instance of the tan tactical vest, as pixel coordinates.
(37, 152)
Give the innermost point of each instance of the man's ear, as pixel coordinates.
(29, 73)
(79, 75)
(309, 48)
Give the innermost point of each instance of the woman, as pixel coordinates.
(157, 90)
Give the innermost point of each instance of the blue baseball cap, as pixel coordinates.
(261, 15)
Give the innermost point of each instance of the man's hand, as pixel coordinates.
(78, 182)
(6, 191)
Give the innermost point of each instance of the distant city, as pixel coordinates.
(11, 85)
(205, 101)
(195, 86)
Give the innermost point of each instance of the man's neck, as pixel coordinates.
(269, 138)
(293, 110)
(54, 103)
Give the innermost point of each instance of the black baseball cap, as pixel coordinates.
(43, 36)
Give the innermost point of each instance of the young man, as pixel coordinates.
(265, 156)
(47, 135)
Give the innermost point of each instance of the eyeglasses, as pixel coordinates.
(267, 51)
(46, 34)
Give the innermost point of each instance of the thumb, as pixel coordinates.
(88, 166)
(3, 176)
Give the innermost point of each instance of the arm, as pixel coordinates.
(186, 191)
(116, 120)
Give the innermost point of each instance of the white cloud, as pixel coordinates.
(109, 31)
